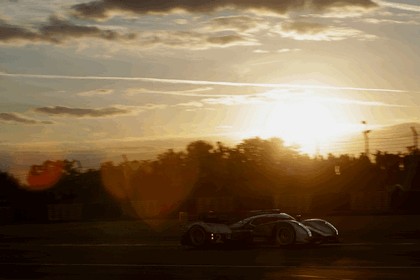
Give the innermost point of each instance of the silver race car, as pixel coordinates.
(270, 226)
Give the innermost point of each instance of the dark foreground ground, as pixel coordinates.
(372, 247)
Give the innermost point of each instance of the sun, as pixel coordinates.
(307, 121)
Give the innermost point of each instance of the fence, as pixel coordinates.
(292, 203)
(330, 203)
(360, 202)
(65, 212)
(371, 202)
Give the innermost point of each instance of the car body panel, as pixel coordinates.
(263, 227)
(214, 227)
(322, 230)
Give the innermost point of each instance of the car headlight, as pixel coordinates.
(306, 229)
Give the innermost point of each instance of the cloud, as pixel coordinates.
(191, 92)
(57, 31)
(197, 82)
(389, 21)
(96, 92)
(191, 104)
(323, 5)
(151, 106)
(181, 21)
(13, 117)
(311, 31)
(10, 32)
(236, 100)
(101, 9)
(82, 112)
(193, 40)
(399, 6)
(282, 96)
(359, 102)
(236, 23)
(284, 50)
(229, 40)
(337, 8)
(261, 51)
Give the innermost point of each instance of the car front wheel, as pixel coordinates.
(284, 235)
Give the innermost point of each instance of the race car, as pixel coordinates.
(268, 226)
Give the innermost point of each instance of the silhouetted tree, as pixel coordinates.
(9, 189)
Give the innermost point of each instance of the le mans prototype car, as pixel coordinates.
(270, 226)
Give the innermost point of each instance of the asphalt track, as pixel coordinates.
(393, 257)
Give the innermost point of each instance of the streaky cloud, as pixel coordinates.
(16, 118)
(57, 31)
(198, 82)
(197, 92)
(399, 6)
(96, 92)
(193, 40)
(273, 97)
(300, 30)
(82, 112)
(101, 9)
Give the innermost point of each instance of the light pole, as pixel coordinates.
(415, 138)
(365, 134)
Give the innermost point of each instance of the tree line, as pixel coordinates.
(251, 172)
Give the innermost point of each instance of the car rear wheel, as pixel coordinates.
(284, 235)
(198, 236)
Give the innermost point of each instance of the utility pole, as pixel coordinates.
(317, 150)
(365, 134)
(415, 138)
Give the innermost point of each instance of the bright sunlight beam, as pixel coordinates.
(304, 120)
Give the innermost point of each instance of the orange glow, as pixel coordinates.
(42, 177)
(148, 193)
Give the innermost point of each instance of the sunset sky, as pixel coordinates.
(104, 76)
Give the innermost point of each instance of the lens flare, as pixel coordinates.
(147, 190)
(42, 177)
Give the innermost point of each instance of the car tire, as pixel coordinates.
(198, 236)
(284, 235)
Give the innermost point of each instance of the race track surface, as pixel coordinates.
(395, 255)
